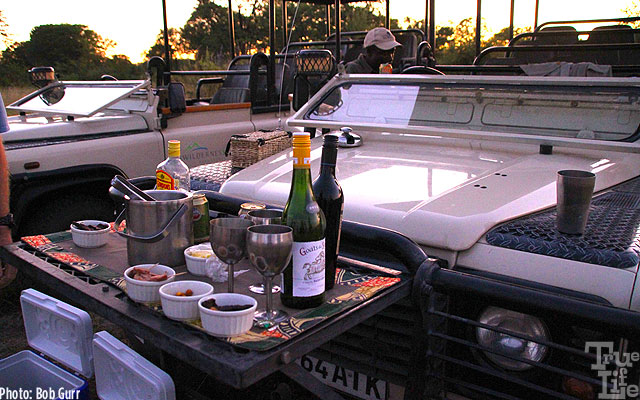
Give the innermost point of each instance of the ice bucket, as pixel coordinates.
(158, 231)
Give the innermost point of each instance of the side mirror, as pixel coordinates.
(42, 76)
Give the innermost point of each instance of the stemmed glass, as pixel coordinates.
(264, 217)
(228, 240)
(269, 248)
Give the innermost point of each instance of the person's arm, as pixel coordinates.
(7, 272)
(5, 231)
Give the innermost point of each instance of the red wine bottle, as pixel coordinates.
(329, 196)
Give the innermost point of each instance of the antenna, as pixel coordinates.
(284, 62)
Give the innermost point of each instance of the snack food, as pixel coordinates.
(143, 274)
(211, 304)
(88, 227)
(201, 253)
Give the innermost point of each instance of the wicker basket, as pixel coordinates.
(250, 148)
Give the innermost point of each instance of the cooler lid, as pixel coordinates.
(58, 330)
(123, 374)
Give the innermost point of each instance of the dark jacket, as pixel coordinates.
(359, 66)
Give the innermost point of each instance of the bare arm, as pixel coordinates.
(5, 231)
(7, 272)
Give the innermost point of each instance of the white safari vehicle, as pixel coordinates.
(71, 138)
(466, 167)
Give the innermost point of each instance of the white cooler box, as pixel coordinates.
(60, 331)
(65, 334)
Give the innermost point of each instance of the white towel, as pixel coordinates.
(566, 69)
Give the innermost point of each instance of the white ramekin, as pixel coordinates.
(90, 239)
(183, 308)
(146, 291)
(227, 323)
(196, 265)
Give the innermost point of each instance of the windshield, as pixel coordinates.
(76, 98)
(588, 112)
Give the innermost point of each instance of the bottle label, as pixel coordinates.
(164, 181)
(308, 268)
(302, 157)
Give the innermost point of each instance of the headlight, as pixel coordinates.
(521, 324)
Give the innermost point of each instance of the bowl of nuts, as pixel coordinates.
(180, 299)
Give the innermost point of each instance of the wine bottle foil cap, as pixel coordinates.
(301, 139)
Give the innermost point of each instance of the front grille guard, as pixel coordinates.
(454, 362)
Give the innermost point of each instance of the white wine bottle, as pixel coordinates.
(303, 284)
(173, 173)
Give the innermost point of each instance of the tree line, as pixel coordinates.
(78, 53)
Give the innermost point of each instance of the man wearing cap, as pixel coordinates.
(379, 46)
(7, 272)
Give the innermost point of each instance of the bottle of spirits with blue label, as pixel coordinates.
(303, 283)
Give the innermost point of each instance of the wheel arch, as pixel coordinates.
(29, 189)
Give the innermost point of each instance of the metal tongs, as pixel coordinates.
(122, 184)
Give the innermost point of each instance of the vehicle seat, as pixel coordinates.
(226, 95)
(234, 89)
(550, 35)
(287, 76)
(556, 35)
(313, 69)
(611, 34)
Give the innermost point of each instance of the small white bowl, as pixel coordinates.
(90, 239)
(183, 308)
(198, 265)
(147, 291)
(227, 323)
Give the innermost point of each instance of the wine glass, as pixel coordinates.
(228, 238)
(264, 217)
(269, 248)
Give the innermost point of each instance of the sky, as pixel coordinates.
(135, 24)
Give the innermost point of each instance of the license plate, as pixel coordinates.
(345, 380)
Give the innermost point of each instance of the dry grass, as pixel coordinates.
(13, 93)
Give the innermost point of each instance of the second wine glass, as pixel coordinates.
(269, 249)
(228, 240)
(264, 217)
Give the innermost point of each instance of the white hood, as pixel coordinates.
(442, 193)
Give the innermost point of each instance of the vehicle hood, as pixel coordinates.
(442, 193)
(31, 128)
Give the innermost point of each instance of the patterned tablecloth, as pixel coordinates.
(107, 264)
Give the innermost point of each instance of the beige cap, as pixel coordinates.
(382, 38)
